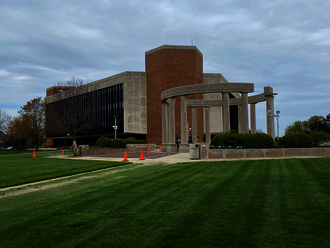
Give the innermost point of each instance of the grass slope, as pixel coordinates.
(262, 203)
(20, 168)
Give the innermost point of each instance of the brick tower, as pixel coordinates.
(168, 67)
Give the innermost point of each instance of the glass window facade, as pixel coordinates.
(96, 111)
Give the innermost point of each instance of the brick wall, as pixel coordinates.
(169, 67)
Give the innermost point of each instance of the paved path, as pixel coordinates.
(147, 155)
(155, 158)
(150, 158)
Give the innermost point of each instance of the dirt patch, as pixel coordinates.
(52, 183)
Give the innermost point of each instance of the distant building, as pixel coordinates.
(134, 98)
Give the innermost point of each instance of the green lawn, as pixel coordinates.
(261, 203)
(17, 167)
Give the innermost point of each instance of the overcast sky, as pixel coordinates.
(283, 44)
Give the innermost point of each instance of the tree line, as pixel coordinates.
(317, 128)
(314, 123)
(29, 128)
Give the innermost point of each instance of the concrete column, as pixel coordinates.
(270, 119)
(253, 118)
(207, 125)
(268, 91)
(239, 118)
(184, 138)
(164, 123)
(171, 120)
(226, 113)
(245, 113)
(194, 124)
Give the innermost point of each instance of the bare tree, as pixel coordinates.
(4, 120)
(73, 106)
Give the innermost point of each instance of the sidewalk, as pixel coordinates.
(172, 159)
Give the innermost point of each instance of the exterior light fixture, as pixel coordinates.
(269, 113)
(115, 127)
(188, 130)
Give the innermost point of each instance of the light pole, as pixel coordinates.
(115, 126)
(189, 129)
(269, 113)
(278, 127)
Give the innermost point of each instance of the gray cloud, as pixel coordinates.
(284, 44)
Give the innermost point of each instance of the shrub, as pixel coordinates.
(250, 140)
(103, 142)
(141, 142)
(118, 143)
(216, 140)
(304, 140)
(227, 139)
(264, 140)
(289, 141)
(319, 137)
(131, 140)
(293, 140)
(234, 139)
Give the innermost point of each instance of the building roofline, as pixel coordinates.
(104, 79)
(215, 75)
(117, 75)
(173, 47)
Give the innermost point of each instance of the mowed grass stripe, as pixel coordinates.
(92, 196)
(90, 202)
(319, 170)
(304, 221)
(204, 210)
(23, 168)
(140, 211)
(265, 219)
(95, 198)
(176, 205)
(223, 204)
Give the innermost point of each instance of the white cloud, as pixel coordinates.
(22, 78)
(3, 73)
(321, 37)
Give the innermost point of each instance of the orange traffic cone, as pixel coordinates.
(148, 148)
(141, 157)
(62, 152)
(160, 147)
(125, 157)
(34, 154)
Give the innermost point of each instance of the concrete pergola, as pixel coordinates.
(168, 110)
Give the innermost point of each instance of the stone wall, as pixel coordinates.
(215, 112)
(85, 151)
(267, 153)
(135, 103)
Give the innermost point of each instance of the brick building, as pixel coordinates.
(134, 98)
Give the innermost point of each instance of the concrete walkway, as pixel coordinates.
(172, 159)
